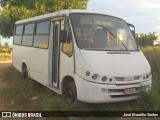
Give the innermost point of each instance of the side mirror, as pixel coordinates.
(132, 29)
(62, 36)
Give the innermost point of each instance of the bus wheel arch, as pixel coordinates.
(24, 71)
(69, 89)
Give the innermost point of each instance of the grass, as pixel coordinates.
(151, 101)
(5, 56)
(19, 94)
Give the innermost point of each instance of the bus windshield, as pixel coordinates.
(102, 32)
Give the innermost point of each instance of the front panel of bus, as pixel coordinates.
(109, 66)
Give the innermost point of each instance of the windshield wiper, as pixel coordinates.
(115, 37)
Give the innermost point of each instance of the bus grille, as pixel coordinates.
(127, 78)
(125, 95)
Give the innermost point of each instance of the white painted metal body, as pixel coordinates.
(113, 64)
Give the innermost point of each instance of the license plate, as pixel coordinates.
(129, 90)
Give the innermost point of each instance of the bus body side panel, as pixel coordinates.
(36, 61)
(38, 66)
(16, 58)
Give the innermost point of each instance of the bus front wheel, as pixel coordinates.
(72, 92)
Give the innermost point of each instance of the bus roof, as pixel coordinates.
(61, 13)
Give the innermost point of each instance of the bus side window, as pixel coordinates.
(18, 35)
(41, 37)
(67, 47)
(28, 34)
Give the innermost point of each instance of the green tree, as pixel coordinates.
(0, 47)
(146, 39)
(0, 43)
(13, 10)
(10, 3)
(6, 47)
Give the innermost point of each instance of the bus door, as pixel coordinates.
(54, 53)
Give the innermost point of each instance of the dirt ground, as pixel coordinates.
(3, 66)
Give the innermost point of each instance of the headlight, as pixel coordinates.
(104, 78)
(87, 73)
(90, 76)
(147, 76)
(94, 76)
(110, 79)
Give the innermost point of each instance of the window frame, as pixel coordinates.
(49, 20)
(34, 23)
(28, 34)
(20, 40)
(18, 34)
(27, 45)
(22, 29)
(71, 20)
(34, 33)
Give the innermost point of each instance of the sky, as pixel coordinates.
(143, 14)
(3, 40)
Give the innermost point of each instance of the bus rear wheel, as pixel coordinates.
(25, 73)
(72, 92)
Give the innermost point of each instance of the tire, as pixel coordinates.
(25, 73)
(72, 92)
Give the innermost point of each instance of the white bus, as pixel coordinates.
(87, 56)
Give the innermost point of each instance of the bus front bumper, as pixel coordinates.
(104, 93)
